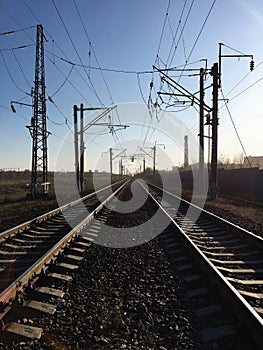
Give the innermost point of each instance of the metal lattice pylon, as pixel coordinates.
(38, 129)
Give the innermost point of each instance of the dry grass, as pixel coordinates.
(252, 214)
(16, 208)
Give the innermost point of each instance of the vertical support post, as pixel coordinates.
(201, 133)
(186, 153)
(120, 168)
(154, 158)
(143, 165)
(111, 165)
(220, 64)
(76, 142)
(38, 128)
(213, 173)
(81, 179)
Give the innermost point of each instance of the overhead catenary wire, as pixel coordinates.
(175, 35)
(15, 21)
(53, 55)
(181, 33)
(20, 66)
(92, 88)
(199, 34)
(162, 32)
(242, 79)
(235, 128)
(11, 77)
(94, 53)
(64, 82)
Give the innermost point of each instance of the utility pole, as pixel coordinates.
(186, 152)
(110, 165)
(76, 144)
(201, 131)
(154, 158)
(79, 137)
(120, 167)
(213, 172)
(81, 149)
(112, 158)
(38, 127)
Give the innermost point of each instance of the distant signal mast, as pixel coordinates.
(38, 128)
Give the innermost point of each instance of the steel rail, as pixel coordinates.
(10, 293)
(240, 230)
(244, 312)
(21, 227)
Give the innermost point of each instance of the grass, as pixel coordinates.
(252, 214)
(16, 207)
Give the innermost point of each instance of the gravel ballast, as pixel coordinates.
(121, 299)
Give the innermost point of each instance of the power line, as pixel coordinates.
(201, 30)
(161, 37)
(54, 42)
(74, 46)
(11, 77)
(174, 35)
(17, 61)
(76, 89)
(100, 68)
(249, 87)
(233, 123)
(8, 109)
(84, 28)
(11, 32)
(181, 33)
(249, 73)
(63, 83)
(18, 47)
(199, 34)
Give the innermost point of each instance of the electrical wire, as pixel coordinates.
(63, 83)
(246, 89)
(9, 15)
(175, 35)
(199, 34)
(53, 41)
(100, 68)
(18, 47)
(162, 32)
(85, 30)
(11, 32)
(23, 73)
(140, 88)
(92, 88)
(11, 77)
(248, 74)
(8, 109)
(181, 33)
(75, 88)
(235, 128)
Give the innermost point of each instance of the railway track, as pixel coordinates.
(229, 256)
(28, 250)
(211, 256)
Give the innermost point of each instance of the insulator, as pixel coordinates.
(13, 109)
(252, 64)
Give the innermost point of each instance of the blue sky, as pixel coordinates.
(125, 36)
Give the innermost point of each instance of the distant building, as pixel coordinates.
(255, 162)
